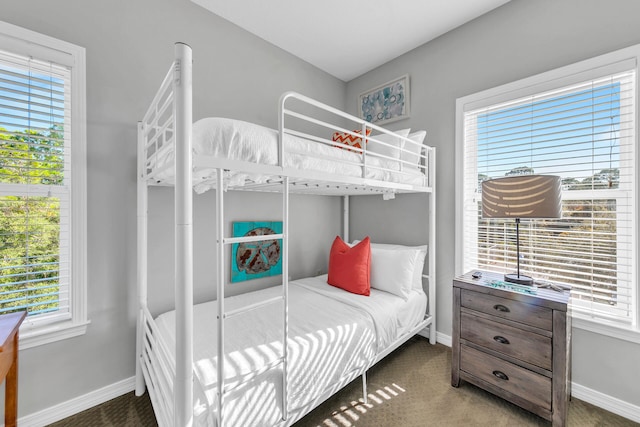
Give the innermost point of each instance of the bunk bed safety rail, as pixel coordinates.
(397, 165)
(158, 125)
(334, 144)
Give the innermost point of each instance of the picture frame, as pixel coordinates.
(253, 260)
(386, 103)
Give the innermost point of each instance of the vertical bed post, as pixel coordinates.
(183, 389)
(220, 289)
(285, 257)
(345, 218)
(285, 296)
(345, 237)
(365, 397)
(285, 252)
(432, 244)
(142, 257)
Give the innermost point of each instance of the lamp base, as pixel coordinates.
(519, 279)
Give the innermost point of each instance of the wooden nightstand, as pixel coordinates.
(513, 344)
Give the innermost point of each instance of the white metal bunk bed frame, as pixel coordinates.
(169, 121)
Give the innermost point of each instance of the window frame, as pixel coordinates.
(18, 40)
(581, 71)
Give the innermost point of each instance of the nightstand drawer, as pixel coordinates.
(534, 315)
(507, 376)
(526, 346)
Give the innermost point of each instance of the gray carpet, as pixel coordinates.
(411, 387)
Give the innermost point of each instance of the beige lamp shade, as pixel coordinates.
(522, 196)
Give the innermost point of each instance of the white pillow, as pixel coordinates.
(392, 271)
(417, 253)
(411, 152)
(393, 140)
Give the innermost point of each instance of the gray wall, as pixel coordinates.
(313, 224)
(129, 49)
(517, 40)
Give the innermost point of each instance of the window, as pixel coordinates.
(578, 122)
(42, 184)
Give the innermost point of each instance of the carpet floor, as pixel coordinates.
(410, 387)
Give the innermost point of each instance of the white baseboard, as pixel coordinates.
(78, 404)
(443, 339)
(604, 401)
(89, 400)
(440, 337)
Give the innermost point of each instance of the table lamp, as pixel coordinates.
(522, 196)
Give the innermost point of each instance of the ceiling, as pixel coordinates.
(347, 38)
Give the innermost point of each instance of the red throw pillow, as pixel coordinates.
(350, 267)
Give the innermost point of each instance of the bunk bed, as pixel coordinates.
(269, 357)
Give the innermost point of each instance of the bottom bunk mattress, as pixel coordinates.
(333, 335)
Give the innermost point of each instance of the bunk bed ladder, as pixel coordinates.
(220, 281)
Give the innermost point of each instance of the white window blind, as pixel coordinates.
(35, 180)
(585, 133)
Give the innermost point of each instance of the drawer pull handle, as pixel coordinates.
(501, 375)
(501, 308)
(501, 340)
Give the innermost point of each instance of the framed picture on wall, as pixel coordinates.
(386, 103)
(252, 260)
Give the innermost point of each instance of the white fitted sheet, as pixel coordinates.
(240, 140)
(332, 334)
(391, 314)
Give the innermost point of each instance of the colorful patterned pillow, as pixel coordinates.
(350, 140)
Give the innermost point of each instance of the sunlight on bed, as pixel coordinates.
(318, 360)
(333, 338)
(347, 415)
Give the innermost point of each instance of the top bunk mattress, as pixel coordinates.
(332, 334)
(231, 139)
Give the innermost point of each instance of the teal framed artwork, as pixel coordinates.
(252, 260)
(386, 103)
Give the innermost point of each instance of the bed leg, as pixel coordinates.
(140, 385)
(364, 388)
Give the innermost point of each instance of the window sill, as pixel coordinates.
(47, 334)
(626, 334)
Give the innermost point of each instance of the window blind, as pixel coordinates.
(35, 123)
(584, 133)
